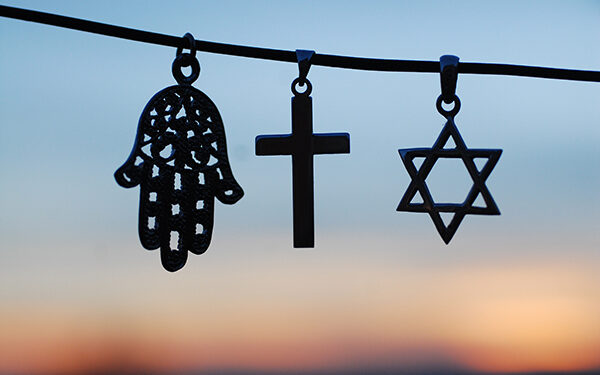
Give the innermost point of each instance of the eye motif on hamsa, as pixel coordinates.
(180, 161)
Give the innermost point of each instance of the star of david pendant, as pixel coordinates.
(431, 155)
(179, 159)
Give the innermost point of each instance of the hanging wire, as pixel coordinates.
(334, 61)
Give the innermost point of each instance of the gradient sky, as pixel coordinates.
(516, 292)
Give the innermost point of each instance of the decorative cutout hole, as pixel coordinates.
(154, 171)
(147, 149)
(480, 163)
(418, 162)
(166, 152)
(174, 241)
(201, 178)
(177, 181)
(199, 205)
(181, 113)
(152, 197)
(175, 209)
(447, 217)
(450, 144)
(199, 228)
(479, 202)
(152, 222)
(449, 181)
(197, 157)
(417, 199)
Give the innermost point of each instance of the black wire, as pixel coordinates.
(334, 61)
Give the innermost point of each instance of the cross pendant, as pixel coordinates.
(302, 144)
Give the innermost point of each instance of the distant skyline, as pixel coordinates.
(515, 293)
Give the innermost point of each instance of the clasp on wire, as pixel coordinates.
(448, 77)
(304, 58)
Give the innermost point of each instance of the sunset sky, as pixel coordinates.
(518, 292)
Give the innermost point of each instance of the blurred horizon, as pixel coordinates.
(364, 371)
(380, 293)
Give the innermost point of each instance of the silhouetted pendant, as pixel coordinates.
(410, 201)
(302, 144)
(179, 159)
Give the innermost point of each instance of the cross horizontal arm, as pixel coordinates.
(331, 143)
(273, 145)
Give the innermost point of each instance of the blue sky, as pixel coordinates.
(71, 102)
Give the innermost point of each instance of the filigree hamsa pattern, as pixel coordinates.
(179, 159)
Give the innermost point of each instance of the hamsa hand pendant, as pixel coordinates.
(180, 161)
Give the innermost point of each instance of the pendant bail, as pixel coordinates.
(304, 61)
(191, 45)
(183, 60)
(304, 58)
(448, 77)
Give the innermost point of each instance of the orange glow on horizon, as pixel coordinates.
(491, 319)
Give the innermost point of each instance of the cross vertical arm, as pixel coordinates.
(302, 144)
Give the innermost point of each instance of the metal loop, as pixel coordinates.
(298, 81)
(453, 111)
(448, 77)
(185, 60)
(191, 45)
